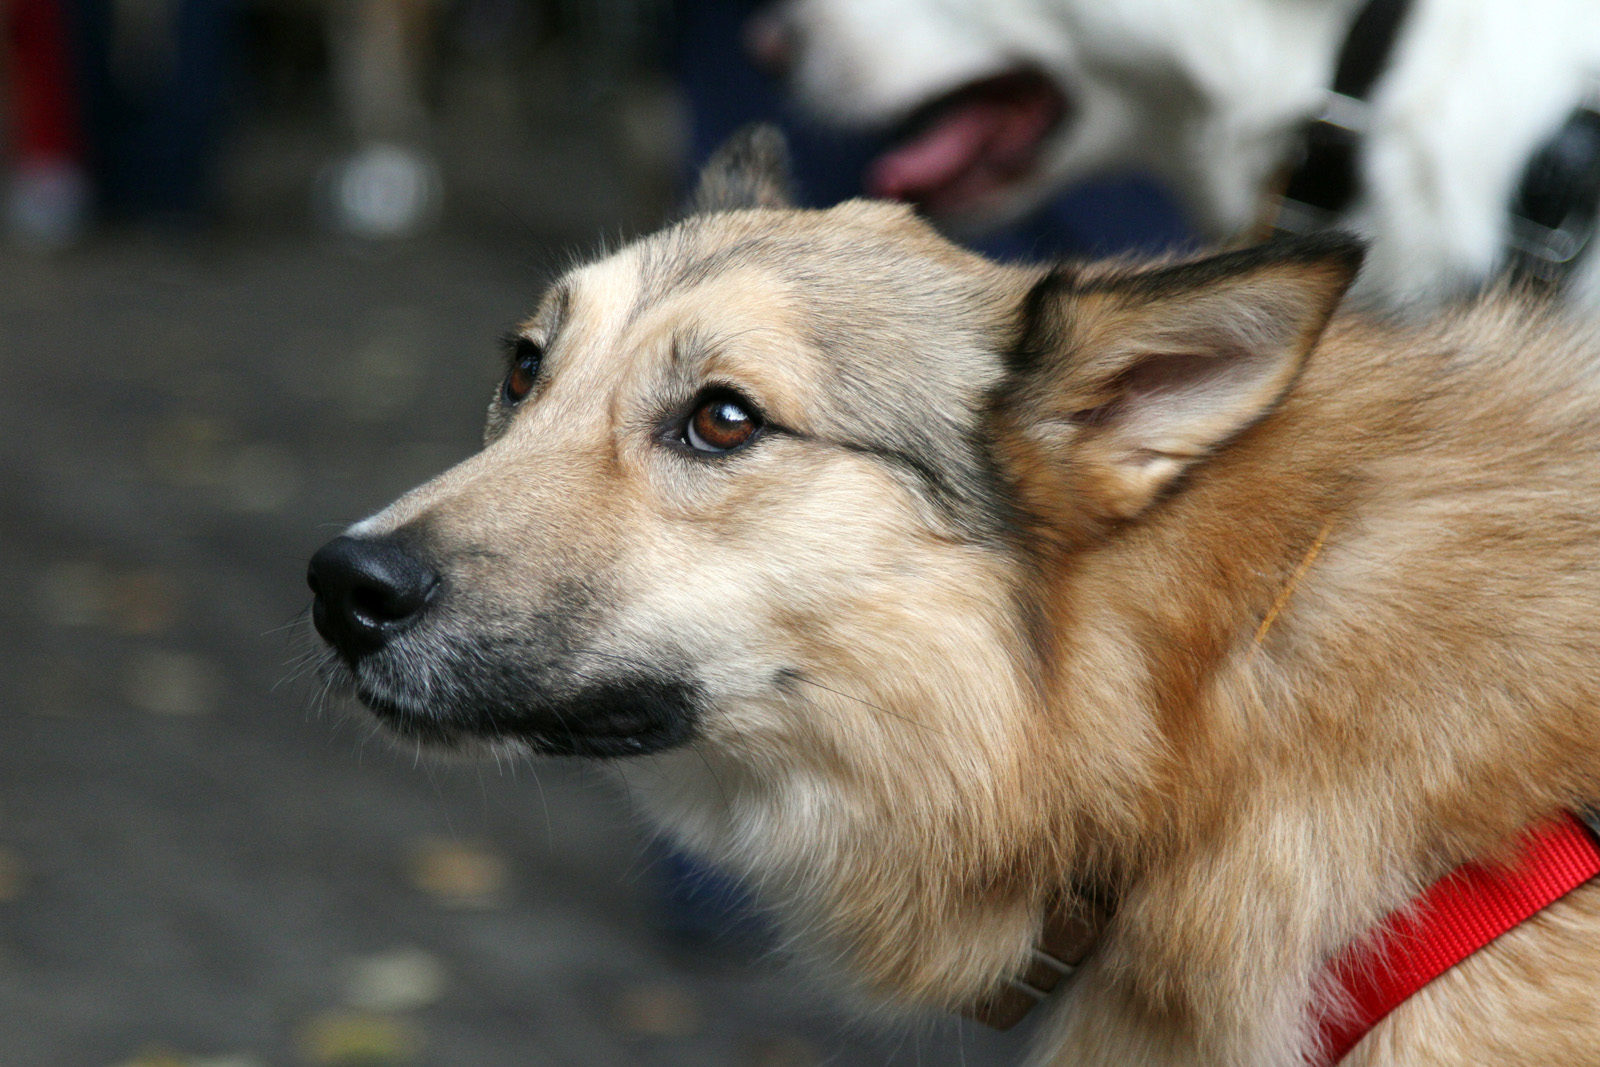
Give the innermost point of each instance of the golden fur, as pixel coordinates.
(982, 616)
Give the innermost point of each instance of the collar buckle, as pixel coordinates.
(1072, 925)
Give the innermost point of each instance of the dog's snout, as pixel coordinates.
(367, 590)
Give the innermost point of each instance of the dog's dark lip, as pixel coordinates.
(590, 745)
(584, 736)
(966, 146)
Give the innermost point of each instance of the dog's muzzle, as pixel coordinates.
(367, 590)
(428, 672)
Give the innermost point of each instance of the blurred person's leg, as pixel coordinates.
(724, 91)
(193, 107)
(389, 185)
(49, 197)
(158, 82)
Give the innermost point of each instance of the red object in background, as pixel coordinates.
(45, 120)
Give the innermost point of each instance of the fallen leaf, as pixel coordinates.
(659, 1010)
(170, 682)
(360, 1039)
(399, 981)
(458, 874)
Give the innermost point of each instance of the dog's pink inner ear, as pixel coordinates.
(1170, 411)
(749, 170)
(1157, 371)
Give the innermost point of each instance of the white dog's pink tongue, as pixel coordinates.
(984, 137)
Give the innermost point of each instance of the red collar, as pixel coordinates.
(1458, 915)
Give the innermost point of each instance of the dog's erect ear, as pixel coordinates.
(751, 169)
(1124, 382)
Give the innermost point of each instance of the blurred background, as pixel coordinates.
(256, 257)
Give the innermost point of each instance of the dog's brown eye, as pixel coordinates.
(721, 423)
(525, 359)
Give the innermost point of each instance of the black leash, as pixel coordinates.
(1554, 213)
(1555, 209)
(1324, 181)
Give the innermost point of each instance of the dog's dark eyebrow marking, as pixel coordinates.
(978, 508)
(671, 266)
(661, 261)
(694, 344)
(514, 343)
(923, 470)
(560, 304)
(698, 270)
(686, 348)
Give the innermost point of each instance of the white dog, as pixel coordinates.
(1006, 101)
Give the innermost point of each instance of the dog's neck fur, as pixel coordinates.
(1074, 922)
(1222, 928)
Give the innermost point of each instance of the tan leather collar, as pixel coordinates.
(1072, 926)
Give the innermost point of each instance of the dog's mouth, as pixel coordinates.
(964, 150)
(599, 719)
(610, 722)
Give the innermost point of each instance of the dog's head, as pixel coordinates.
(988, 104)
(993, 106)
(792, 491)
(722, 462)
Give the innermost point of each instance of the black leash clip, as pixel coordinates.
(1553, 214)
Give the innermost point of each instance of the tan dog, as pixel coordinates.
(930, 593)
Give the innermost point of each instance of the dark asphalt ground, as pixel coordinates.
(201, 863)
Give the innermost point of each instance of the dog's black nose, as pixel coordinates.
(367, 590)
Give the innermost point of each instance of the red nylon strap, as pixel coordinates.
(1461, 913)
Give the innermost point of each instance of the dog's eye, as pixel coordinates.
(525, 359)
(721, 422)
